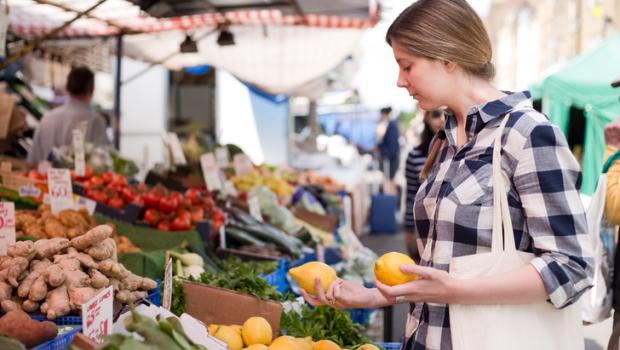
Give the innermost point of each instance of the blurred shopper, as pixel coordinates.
(433, 122)
(444, 57)
(56, 127)
(612, 213)
(388, 147)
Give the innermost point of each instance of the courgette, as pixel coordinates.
(242, 237)
(279, 239)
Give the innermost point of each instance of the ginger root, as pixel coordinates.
(98, 280)
(57, 303)
(46, 248)
(54, 275)
(38, 290)
(103, 250)
(92, 237)
(24, 249)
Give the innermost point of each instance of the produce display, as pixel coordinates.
(55, 276)
(257, 178)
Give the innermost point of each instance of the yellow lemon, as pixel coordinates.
(368, 347)
(256, 330)
(212, 328)
(308, 272)
(387, 269)
(236, 327)
(229, 336)
(303, 343)
(284, 342)
(257, 347)
(325, 345)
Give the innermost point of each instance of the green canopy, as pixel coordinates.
(585, 83)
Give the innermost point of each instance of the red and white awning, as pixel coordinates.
(30, 19)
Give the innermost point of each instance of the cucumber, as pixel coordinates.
(279, 239)
(243, 237)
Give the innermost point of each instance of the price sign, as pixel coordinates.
(166, 299)
(78, 152)
(242, 164)
(254, 205)
(222, 156)
(210, 172)
(7, 226)
(61, 193)
(178, 157)
(97, 315)
(85, 203)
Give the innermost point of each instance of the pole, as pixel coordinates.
(117, 92)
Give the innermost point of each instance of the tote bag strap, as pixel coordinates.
(501, 212)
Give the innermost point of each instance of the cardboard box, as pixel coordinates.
(222, 306)
(327, 222)
(24, 186)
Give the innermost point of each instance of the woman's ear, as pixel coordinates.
(449, 66)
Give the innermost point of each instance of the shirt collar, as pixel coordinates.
(480, 115)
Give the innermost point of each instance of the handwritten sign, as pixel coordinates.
(84, 203)
(242, 164)
(166, 300)
(210, 172)
(78, 152)
(222, 156)
(60, 190)
(254, 205)
(7, 226)
(97, 315)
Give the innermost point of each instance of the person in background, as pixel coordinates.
(388, 147)
(433, 122)
(56, 127)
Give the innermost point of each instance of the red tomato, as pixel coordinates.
(194, 195)
(142, 187)
(180, 224)
(139, 200)
(186, 202)
(164, 225)
(209, 202)
(98, 196)
(128, 194)
(96, 181)
(197, 214)
(168, 204)
(151, 200)
(116, 202)
(107, 177)
(152, 217)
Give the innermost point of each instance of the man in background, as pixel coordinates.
(56, 127)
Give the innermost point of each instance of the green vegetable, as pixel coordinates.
(7, 343)
(188, 259)
(323, 322)
(242, 237)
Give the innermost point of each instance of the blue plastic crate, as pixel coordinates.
(277, 278)
(389, 346)
(154, 296)
(307, 257)
(61, 342)
(361, 316)
(61, 321)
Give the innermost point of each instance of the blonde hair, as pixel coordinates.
(448, 30)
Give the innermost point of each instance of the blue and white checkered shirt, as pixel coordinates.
(453, 208)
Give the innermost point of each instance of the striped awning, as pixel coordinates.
(30, 19)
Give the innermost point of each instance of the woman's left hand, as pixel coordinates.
(432, 285)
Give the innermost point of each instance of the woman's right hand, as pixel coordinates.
(342, 294)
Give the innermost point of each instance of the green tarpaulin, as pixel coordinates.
(585, 83)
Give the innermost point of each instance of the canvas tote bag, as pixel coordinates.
(508, 327)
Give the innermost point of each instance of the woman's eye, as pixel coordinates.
(407, 69)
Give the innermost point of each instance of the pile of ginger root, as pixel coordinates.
(58, 275)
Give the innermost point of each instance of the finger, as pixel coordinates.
(330, 291)
(398, 290)
(312, 301)
(420, 271)
(318, 289)
(337, 292)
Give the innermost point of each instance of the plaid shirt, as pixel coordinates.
(453, 208)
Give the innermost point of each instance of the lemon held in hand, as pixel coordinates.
(387, 269)
(307, 273)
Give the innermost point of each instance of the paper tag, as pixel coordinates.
(222, 156)
(242, 164)
(222, 237)
(254, 205)
(29, 190)
(78, 152)
(84, 203)
(97, 315)
(4, 26)
(61, 193)
(7, 226)
(166, 298)
(178, 157)
(210, 172)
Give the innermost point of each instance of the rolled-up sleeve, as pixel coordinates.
(547, 178)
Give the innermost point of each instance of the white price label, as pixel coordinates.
(85, 203)
(97, 315)
(254, 205)
(166, 298)
(7, 226)
(222, 237)
(178, 157)
(78, 152)
(222, 156)
(210, 172)
(61, 193)
(242, 164)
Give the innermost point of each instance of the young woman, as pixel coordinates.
(444, 58)
(433, 122)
